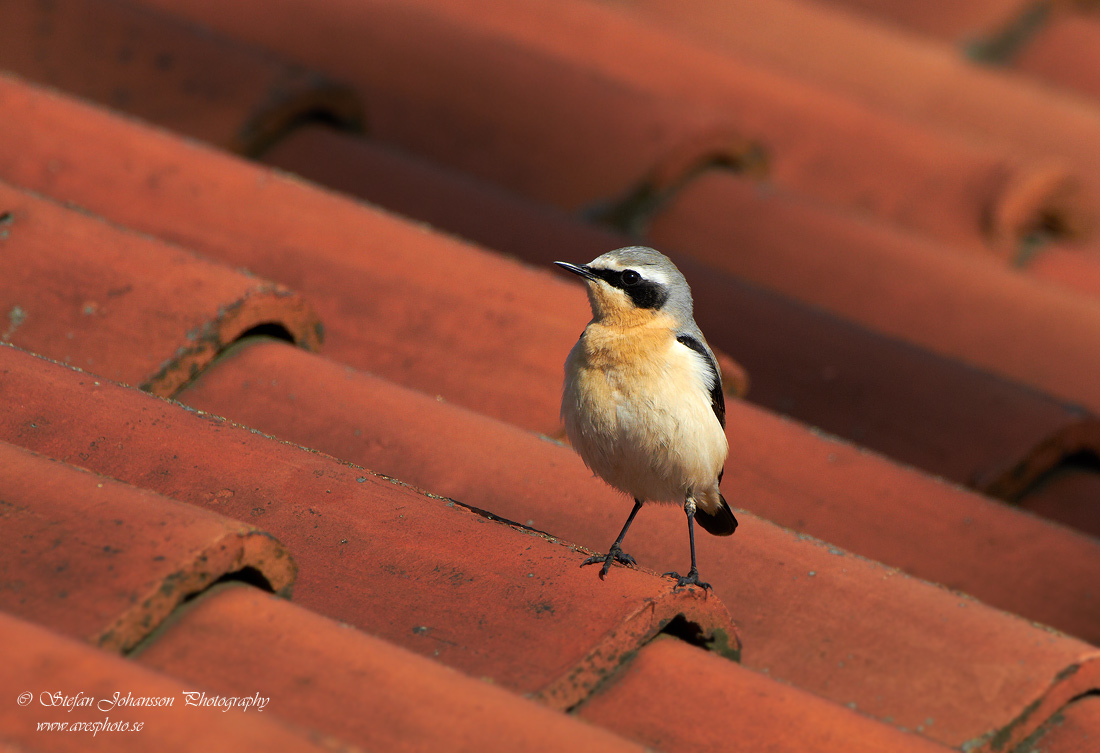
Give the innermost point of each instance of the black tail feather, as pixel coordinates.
(721, 522)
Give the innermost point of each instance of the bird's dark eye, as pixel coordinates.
(630, 277)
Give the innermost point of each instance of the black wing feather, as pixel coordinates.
(717, 399)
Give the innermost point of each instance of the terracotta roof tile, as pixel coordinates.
(671, 698)
(827, 372)
(586, 107)
(1074, 267)
(1067, 494)
(151, 65)
(235, 639)
(769, 569)
(39, 661)
(403, 349)
(836, 492)
(1076, 729)
(435, 577)
(448, 200)
(124, 305)
(943, 18)
(972, 696)
(331, 249)
(107, 562)
(761, 573)
(963, 308)
(511, 93)
(918, 79)
(453, 203)
(1065, 52)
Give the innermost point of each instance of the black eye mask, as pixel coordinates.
(645, 294)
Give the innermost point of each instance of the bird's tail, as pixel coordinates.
(720, 520)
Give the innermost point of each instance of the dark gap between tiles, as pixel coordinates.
(1082, 461)
(1050, 227)
(268, 329)
(691, 632)
(1067, 493)
(247, 577)
(338, 109)
(1031, 744)
(679, 628)
(1001, 47)
(631, 213)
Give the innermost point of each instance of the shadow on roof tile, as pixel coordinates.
(40, 662)
(107, 562)
(123, 305)
(322, 675)
(168, 72)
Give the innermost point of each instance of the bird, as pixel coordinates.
(642, 400)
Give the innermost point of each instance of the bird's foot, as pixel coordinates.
(691, 579)
(615, 555)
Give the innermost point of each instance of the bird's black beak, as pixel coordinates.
(581, 270)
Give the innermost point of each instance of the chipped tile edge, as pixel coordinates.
(1077, 679)
(614, 650)
(264, 305)
(239, 548)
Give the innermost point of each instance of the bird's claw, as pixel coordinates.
(691, 579)
(615, 555)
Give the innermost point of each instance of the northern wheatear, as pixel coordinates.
(642, 402)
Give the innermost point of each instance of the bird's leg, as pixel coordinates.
(616, 553)
(692, 578)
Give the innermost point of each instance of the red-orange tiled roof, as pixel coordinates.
(1076, 729)
(124, 305)
(235, 639)
(77, 671)
(106, 562)
(353, 338)
(846, 661)
(884, 240)
(355, 264)
(521, 97)
(943, 19)
(1065, 52)
(156, 67)
(836, 492)
(669, 674)
(816, 367)
(965, 308)
(444, 565)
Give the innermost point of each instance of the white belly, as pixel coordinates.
(645, 426)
